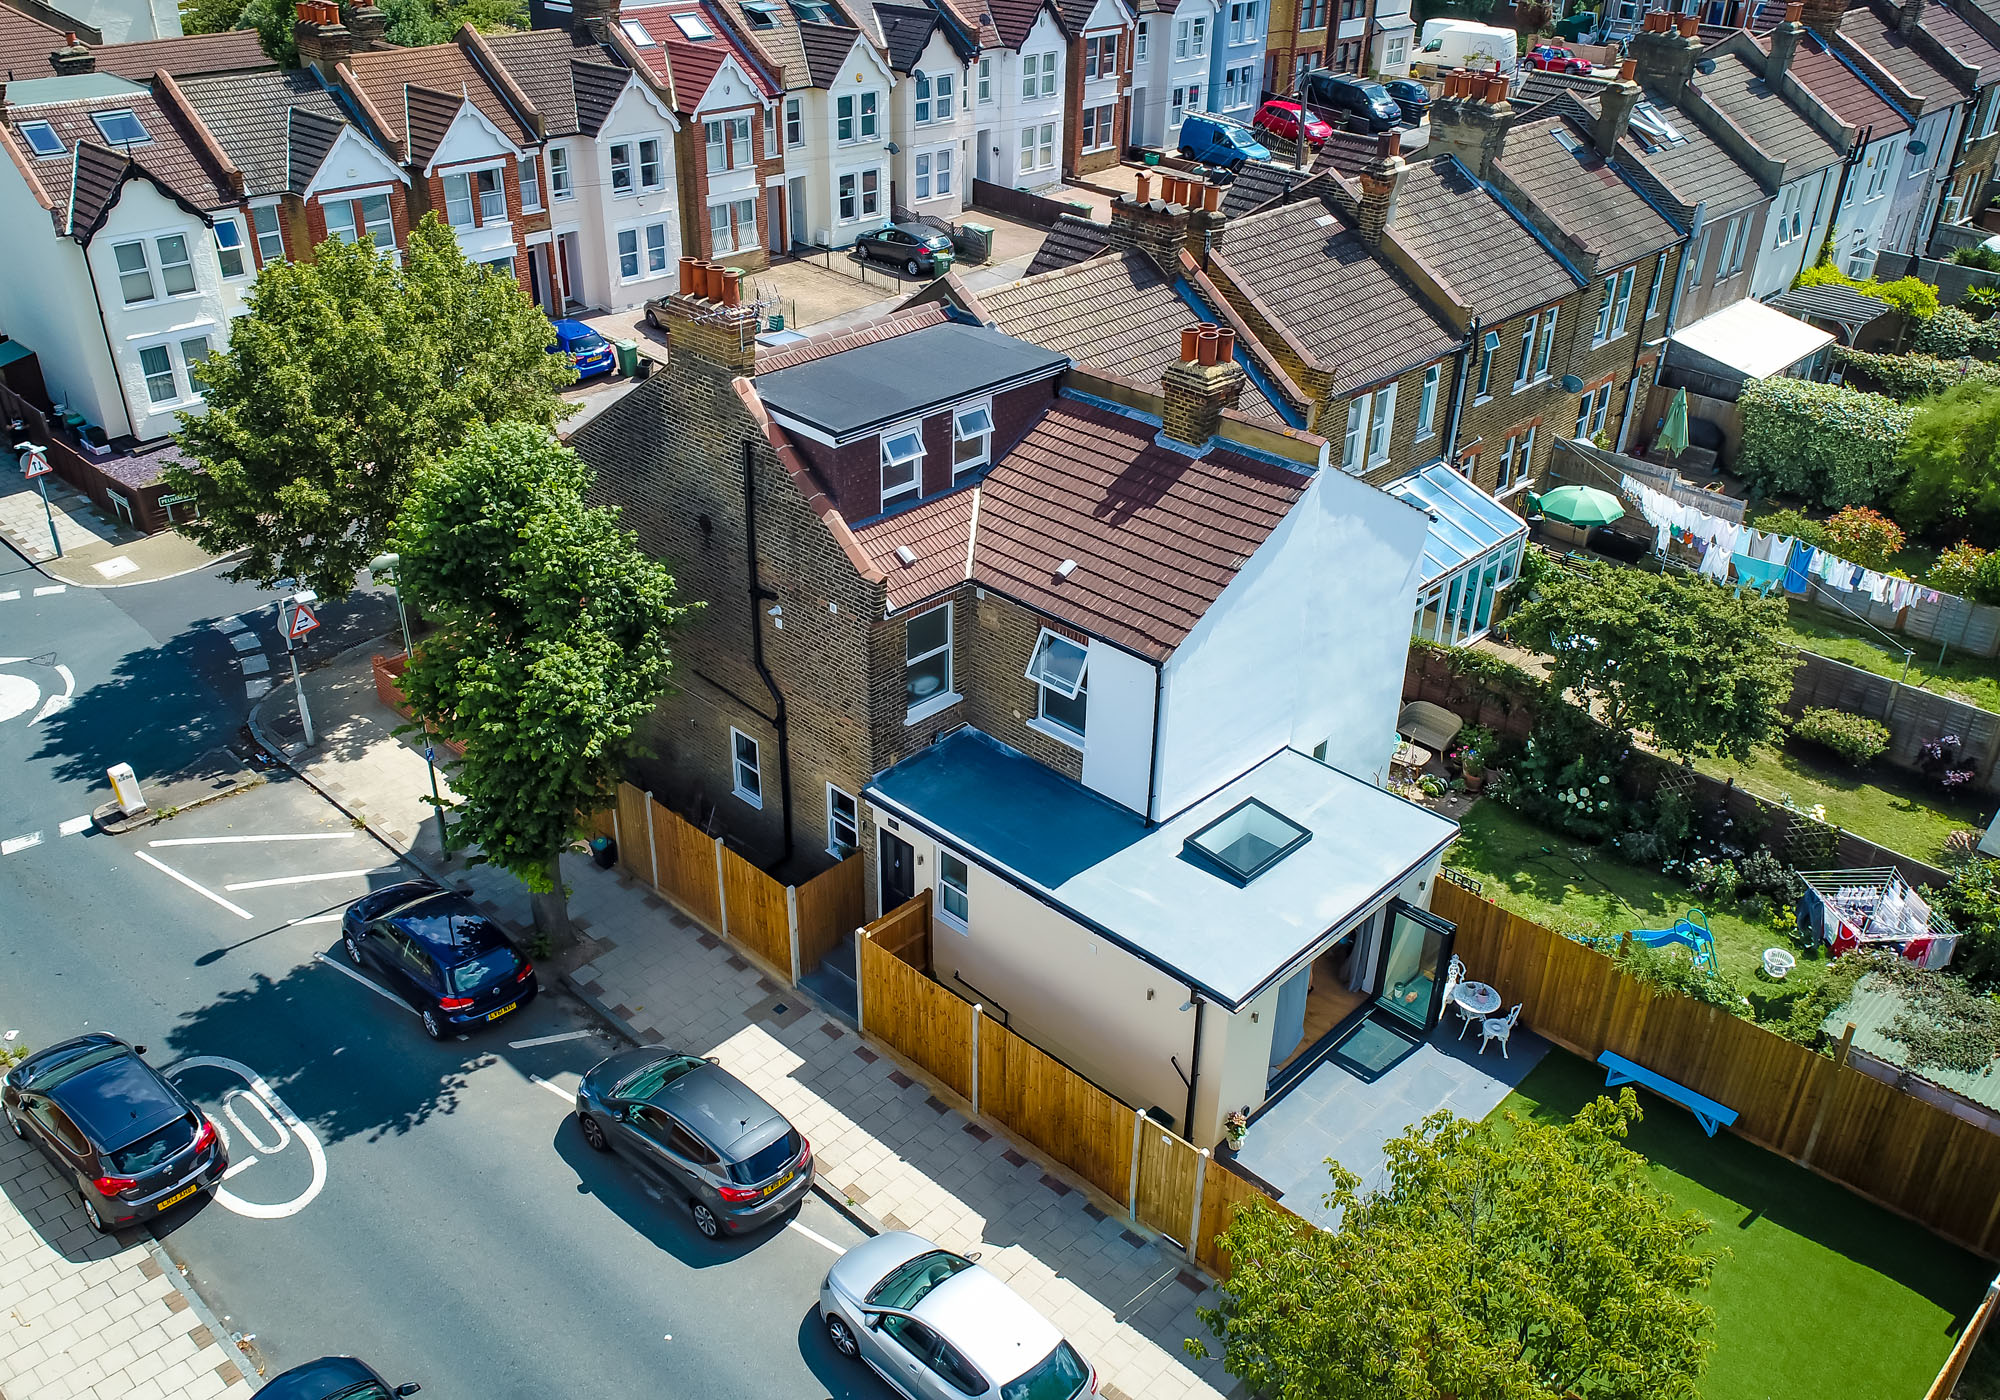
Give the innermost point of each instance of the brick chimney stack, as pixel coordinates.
(1666, 49)
(1205, 222)
(323, 40)
(1156, 227)
(1784, 44)
(706, 317)
(1381, 181)
(1205, 380)
(368, 25)
(1909, 16)
(1470, 120)
(589, 19)
(1614, 110)
(73, 58)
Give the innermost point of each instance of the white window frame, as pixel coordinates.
(1545, 350)
(1045, 682)
(770, 133)
(657, 164)
(1356, 436)
(920, 82)
(1100, 126)
(1180, 38)
(1659, 275)
(1621, 314)
(1199, 36)
(1027, 150)
(276, 233)
(985, 81)
(980, 412)
(845, 122)
(154, 403)
(1398, 49)
(529, 169)
(1381, 425)
(560, 185)
(1527, 368)
(1045, 151)
(1602, 332)
(1139, 41)
(914, 488)
(649, 253)
(962, 922)
(920, 176)
(836, 819)
(1489, 346)
(795, 123)
(738, 765)
(466, 200)
(624, 236)
(224, 248)
(947, 694)
(1428, 402)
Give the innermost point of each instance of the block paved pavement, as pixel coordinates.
(880, 1136)
(85, 1316)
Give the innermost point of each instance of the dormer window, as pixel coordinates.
(902, 463)
(41, 138)
(971, 439)
(120, 128)
(761, 15)
(637, 33)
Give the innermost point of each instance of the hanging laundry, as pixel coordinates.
(1759, 574)
(1799, 567)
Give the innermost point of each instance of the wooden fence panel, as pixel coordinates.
(635, 854)
(916, 1018)
(830, 909)
(1167, 1167)
(1222, 1193)
(1054, 1108)
(687, 866)
(759, 918)
(905, 931)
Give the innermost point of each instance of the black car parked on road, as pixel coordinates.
(1412, 97)
(440, 954)
(919, 250)
(698, 1129)
(1358, 102)
(334, 1378)
(129, 1141)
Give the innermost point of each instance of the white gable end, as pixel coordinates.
(354, 161)
(472, 137)
(636, 99)
(730, 87)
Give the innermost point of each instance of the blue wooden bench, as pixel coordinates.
(1707, 1112)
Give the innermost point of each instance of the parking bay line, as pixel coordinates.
(565, 1095)
(201, 890)
(550, 1039)
(305, 879)
(815, 1236)
(389, 997)
(20, 843)
(237, 840)
(238, 1165)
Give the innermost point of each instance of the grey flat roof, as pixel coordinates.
(1103, 866)
(872, 386)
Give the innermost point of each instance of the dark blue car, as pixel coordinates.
(334, 1378)
(440, 954)
(590, 352)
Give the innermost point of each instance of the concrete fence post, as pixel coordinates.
(617, 836)
(792, 918)
(652, 846)
(1194, 1220)
(1132, 1183)
(861, 982)
(721, 890)
(977, 1012)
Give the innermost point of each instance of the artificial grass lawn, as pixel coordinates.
(1821, 1295)
(1891, 808)
(1539, 874)
(1973, 679)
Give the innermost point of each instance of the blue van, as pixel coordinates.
(1212, 141)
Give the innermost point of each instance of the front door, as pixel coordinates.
(797, 188)
(982, 161)
(774, 219)
(899, 871)
(1409, 977)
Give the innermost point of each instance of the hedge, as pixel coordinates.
(1953, 335)
(1906, 377)
(1833, 445)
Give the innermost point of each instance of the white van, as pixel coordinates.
(1459, 43)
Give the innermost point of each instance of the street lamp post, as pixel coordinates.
(387, 566)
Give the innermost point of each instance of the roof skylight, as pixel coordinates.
(1654, 127)
(762, 15)
(693, 25)
(1248, 839)
(41, 138)
(120, 128)
(813, 11)
(637, 33)
(1565, 138)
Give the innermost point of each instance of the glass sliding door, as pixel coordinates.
(1409, 978)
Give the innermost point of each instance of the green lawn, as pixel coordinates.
(1891, 808)
(1973, 679)
(1540, 875)
(1820, 1295)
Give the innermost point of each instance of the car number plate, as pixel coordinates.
(180, 1195)
(496, 1015)
(778, 1185)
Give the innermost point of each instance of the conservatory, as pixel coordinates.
(1473, 551)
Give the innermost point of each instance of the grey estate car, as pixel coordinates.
(694, 1127)
(936, 1326)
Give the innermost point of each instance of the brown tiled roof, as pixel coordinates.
(1073, 240)
(171, 158)
(427, 77)
(1012, 19)
(99, 173)
(1116, 313)
(1261, 184)
(26, 43)
(901, 321)
(906, 30)
(231, 51)
(1580, 192)
(1777, 128)
(247, 113)
(778, 41)
(1696, 167)
(1957, 33)
(826, 48)
(1488, 257)
(1910, 66)
(1347, 309)
(538, 60)
(1841, 90)
(936, 533)
(1156, 535)
(428, 115)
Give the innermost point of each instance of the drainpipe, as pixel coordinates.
(1458, 394)
(1153, 758)
(758, 595)
(1194, 1067)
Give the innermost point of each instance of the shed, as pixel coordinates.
(1745, 340)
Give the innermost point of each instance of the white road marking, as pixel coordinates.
(204, 892)
(235, 1096)
(18, 694)
(238, 1165)
(550, 1039)
(10, 595)
(255, 665)
(229, 624)
(245, 641)
(565, 1095)
(281, 1113)
(76, 824)
(387, 996)
(239, 840)
(58, 702)
(331, 916)
(257, 689)
(52, 588)
(816, 1237)
(20, 843)
(306, 879)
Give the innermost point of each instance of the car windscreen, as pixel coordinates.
(1060, 1375)
(641, 1085)
(906, 1284)
(1375, 92)
(50, 1073)
(484, 970)
(151, 1150)
(765, 1162)
(587, 342)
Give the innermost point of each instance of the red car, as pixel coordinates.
(1282, 119)
(1555, 59)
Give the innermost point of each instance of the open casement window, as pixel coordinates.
(1059, 667)
(902, 463)
(843, 823)
(746, 767)
(971, 438)
(927, 660)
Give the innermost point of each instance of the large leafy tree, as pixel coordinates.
(347, 374)
(1699, 668)
(411, 23)
(1952, 455)
(1530, 1261)
(550, 645)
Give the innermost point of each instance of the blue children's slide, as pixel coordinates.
(1690, 931)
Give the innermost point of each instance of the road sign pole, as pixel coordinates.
(285, 625)
(49, 511)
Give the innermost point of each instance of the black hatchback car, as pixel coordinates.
(919, 250)
(334, 1378)
(124, 1135)
(1360, 102)
(440, 954)
(1412, 97)
(698, 1129)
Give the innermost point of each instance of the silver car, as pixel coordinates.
(936, 1326)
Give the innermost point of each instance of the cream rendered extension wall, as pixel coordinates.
(636, 115)
(47, 303)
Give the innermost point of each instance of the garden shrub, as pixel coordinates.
(1672, 971)
(1856, 738)
(1957, 570)
(1566, 777)
(1714, 880)
(1797, 524)
(1865, 537)
(1762, 873)
(1953, 334)
(1907, 377)
(1981, 302)
(1914, 297)
(1972, 904)
(1950, 462)
(1979, 256)
(1834, 445)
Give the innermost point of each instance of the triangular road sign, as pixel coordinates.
(303, 621)
(34, 463)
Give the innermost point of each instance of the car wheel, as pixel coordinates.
(913, 268)
(593, 1133)
(705, 1221)
(842, 1337)
(1187, 153)
(432, 1028)
(97, 1221)
(353, 950)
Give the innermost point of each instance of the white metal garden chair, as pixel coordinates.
(1498, 1028)
(1454, 973)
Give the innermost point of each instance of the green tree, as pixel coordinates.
(1952, 455)
(550, 645)
(347, 373)
(1695, 666)
(1533, 1261)
(210, 16)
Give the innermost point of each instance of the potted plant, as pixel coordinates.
(1473, 770)
(1237, 1125)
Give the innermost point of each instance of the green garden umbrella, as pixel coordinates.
(1674, 430)
(1581, 505)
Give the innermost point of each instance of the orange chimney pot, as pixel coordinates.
(1208, 342)
(1190, 344)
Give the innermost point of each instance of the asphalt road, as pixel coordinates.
(430, 1206)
